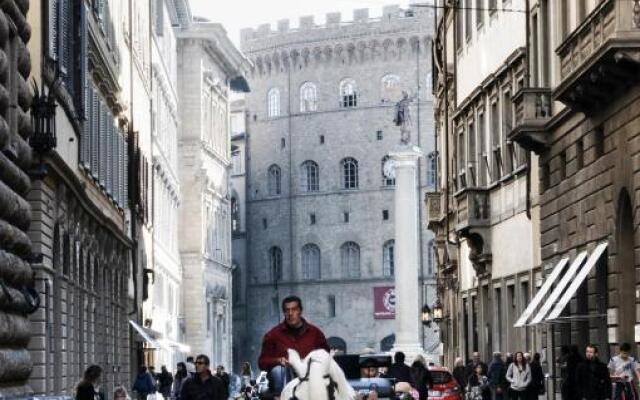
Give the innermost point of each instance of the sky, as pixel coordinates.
(237, 14)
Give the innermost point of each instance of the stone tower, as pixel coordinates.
(319, 211)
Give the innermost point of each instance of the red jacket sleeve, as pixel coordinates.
(322, 341)
(269, 357)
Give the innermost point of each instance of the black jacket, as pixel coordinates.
(224, 377)
(194, 388)
(401, 372)
(537, 378)
(595, 383)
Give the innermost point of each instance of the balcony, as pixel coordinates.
(473, 208)
(433, 202)
(473, 224)
(532, 112)
(601, 58)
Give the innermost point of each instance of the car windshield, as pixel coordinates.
(440, 377)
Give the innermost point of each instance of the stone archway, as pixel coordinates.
(625, 266)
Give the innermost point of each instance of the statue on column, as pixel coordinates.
(403, 117)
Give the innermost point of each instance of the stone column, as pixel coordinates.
(407, 252)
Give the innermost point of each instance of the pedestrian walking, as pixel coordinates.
(178, 379)
(203, 385)
(478, 385)
(421, 378)
(460, 374)
(191, 366)
(247, 374)
(592, 376)
(624, 370)
(536, 387)
(519, 377)
(475, 361)
(400, 371)
(224, 377)
(497, 377)
(120, 393)
(165, 380)
(87, 388)
(144, 384)
(569, 360)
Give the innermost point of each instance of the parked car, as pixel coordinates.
(443, 386)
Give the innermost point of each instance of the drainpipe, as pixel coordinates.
(527, 79)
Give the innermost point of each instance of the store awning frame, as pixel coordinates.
(579, 279)
(540, 295)
(175, 346)
(145, 335)
(557, 291)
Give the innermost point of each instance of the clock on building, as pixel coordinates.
(389, 169)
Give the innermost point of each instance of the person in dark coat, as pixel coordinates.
(87, 388)
(203, 385)
(478, 385)
(536, 387)
(592, 376)
(569, 360)
(144, 384)
(399, 371)
(421, 378)
(165, 380)
(460, 373)
(475, 361)
(224, 377)
(497, 377)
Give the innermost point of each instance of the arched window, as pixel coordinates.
(390, 87)
(348, 93)
(350, 259)
(274, 181)
(310, 262)
(235, 215)
(308, 97)
(349, 173)
(273, 102)
(275, 263)
(387, 258)
(309, 177)
(386, 181)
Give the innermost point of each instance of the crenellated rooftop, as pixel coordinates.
(394, 19)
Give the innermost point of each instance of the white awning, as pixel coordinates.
(175, 346)
(551, 300)
(145, 335)
(537, 299)
(582, 275)
(557, 300)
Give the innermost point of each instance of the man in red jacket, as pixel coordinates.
(293, 333)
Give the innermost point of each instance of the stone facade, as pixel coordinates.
(322, 106)
(92, 220)
(163, 310)
(16, 273)
(207, 61)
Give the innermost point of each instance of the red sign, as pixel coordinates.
(384, 302)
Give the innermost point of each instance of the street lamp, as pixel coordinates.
(43, 121)
(438, 314)
(426, 315)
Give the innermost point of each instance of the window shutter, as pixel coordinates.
(116, 163)
(109, 155)
(85, 141)
(66, 41)
(126, 166)
(95, 132)
(82, 60)
(53, 28)
(103, 145)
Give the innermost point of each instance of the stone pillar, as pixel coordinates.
(407, 252)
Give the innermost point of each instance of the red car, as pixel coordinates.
(443, 386)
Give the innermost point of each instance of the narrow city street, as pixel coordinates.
(319, 200)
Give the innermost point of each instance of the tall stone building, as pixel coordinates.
(209, 67)
(163, 311)
(16, 274)
(580, 114)
(91, 218)
(319, 217)
(486, 211)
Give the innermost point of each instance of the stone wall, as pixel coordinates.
(15, 213)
